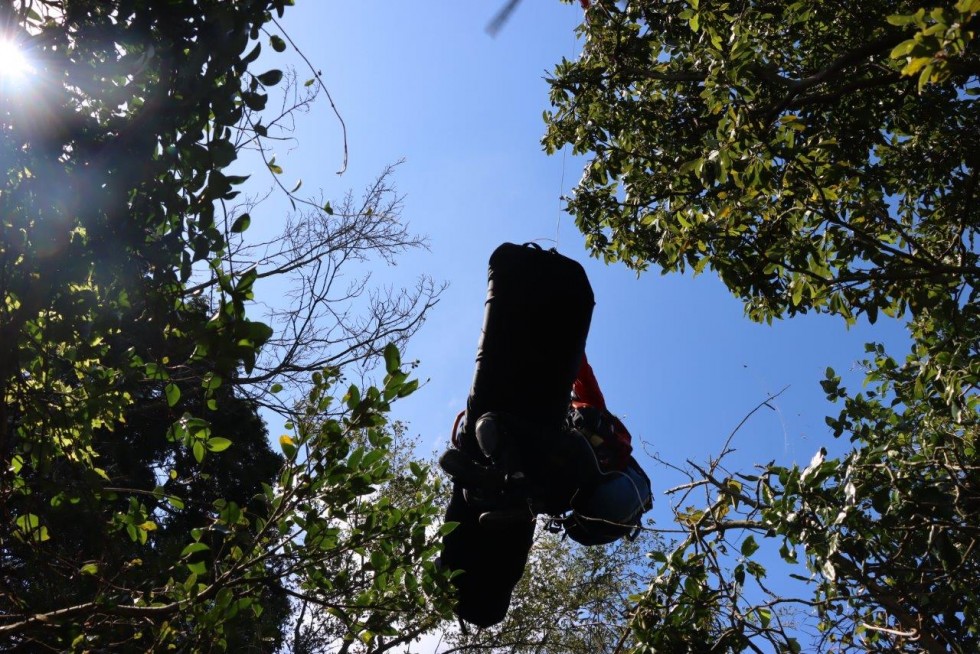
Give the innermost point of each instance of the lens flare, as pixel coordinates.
(14, 64)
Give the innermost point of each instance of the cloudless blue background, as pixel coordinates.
(675, 356)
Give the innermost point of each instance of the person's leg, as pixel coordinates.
(492, 561)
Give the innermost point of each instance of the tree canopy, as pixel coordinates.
(141, 504)
(818, 156)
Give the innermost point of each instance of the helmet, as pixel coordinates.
(612, 509)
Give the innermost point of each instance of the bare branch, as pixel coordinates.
(319, 78)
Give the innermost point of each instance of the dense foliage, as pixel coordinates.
(141, 505)
(819, 157)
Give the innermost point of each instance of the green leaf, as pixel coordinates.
(277, 43)
(828, 570)
(259, 332)
(739, 574)
(787, 552)
(749, 546)
(173, 394)
(902, 49)
(797, 291)
(408, 388)
(288, 446)
(223, 152)
(253, 55)
(29, 526)
(392, 358)
(156, 371)
(353, 397)
(378, 560)
(198, 449)
(270, 77)
(900, 19)
(218, 444)
(231, 513)
(254, 101)
(241, 223)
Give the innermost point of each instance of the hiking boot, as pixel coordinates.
(500, 438)
(488, 436)
(470, 474)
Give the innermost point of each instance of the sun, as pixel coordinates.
(14, 64)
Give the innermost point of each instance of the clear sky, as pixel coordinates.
(674, 355)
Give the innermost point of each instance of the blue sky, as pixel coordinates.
(675, 356)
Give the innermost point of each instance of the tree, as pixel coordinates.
(333, 316)
(395, 624)
(83, 554)
(125, 395)
(818, 157)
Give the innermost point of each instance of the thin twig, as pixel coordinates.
(319, 78)
(761, 404)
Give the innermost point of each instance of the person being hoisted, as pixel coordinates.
(523, 448)
(583, 476)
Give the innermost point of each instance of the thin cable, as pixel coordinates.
(561, 190)
(561, 184)
(318, 75)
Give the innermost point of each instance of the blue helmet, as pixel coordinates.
(612, 509)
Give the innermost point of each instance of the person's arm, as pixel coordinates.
(586, 386)
(587, 392)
